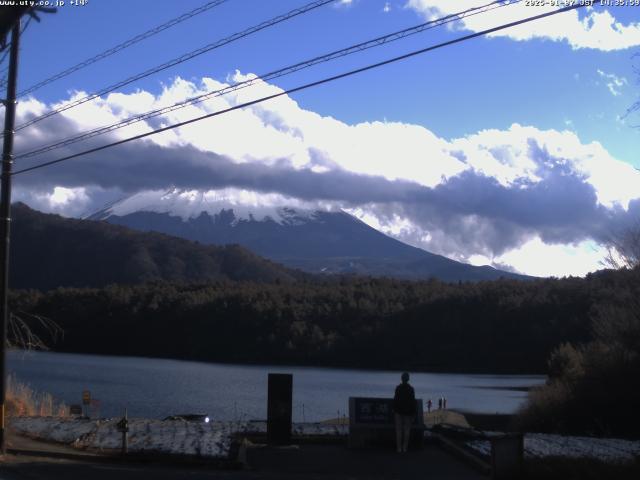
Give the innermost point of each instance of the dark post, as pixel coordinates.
(125, 436)
(5, 215)
(279, 407)
(123, 427)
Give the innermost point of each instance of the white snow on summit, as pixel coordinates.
(246, 205)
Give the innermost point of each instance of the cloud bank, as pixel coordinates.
(596, 29)
(518, 198)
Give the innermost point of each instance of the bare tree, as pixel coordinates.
(623, 249)
(22, 328)
(635, 107)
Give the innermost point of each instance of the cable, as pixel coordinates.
(5, 70)
(123, 45)
(183, 58)
(269, 76)
(3, 76)
(303, 87)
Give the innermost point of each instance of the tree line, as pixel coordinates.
(503, 326)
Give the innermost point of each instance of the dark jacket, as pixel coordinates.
(404, 401)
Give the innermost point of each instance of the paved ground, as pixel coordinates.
(314, 462)
(26, 468)
(336, 461)
(16, 442)
(44, 460)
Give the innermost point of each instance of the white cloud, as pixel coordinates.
(613, 82)
(498, 196)
(65, 201)
(540, 259)
(386, 8)
(506, 156)
(592, 29)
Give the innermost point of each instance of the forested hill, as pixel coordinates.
(497, 326)
(49, 251)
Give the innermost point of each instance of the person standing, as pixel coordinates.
(404, 408)
(429, 405)
(440, 403)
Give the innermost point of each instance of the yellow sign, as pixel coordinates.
(86, 397)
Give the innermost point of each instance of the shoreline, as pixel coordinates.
(309, 366)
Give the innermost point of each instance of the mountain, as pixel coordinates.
(317, 241)
(48, 251)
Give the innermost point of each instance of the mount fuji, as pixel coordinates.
(310, 239)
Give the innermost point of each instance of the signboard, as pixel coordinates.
(377, 411)
(86, 397)
(373, 410)
(372, 421)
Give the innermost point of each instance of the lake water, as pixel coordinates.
(156, 388)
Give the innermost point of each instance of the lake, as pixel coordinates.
(156, 388)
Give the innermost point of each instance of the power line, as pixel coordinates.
(303, 87)
(123, 45)
(3, 74)
(270, 76)
(5, 71)
(183, 58)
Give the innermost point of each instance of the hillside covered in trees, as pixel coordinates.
(497, 326)
(593, 385)
(48, 251)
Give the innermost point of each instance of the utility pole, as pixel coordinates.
(5, 217)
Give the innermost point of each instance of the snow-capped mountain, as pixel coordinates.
(295, 234)
(187, 205)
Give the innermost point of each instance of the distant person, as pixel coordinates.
(404, 409)
(440, 403)
(429, 405)
(444, 402)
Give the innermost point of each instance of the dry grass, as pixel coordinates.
(22, 400)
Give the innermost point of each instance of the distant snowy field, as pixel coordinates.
(539, 445)
(211, 440)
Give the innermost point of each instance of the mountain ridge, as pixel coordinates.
(50, 251)
(313, 240)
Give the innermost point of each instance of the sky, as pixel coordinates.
(514, 150)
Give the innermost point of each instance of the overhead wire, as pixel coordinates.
(5, 70)
(382, 40)
(121, 46)
(303, 87)
(178, 60)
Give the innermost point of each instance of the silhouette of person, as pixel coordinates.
(429, 405)
(404, 408)
(440, 403)
(444, 402)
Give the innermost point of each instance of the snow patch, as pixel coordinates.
(246, 205)
(540, 445)
(211, 440)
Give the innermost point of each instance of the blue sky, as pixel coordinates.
(571, 78)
